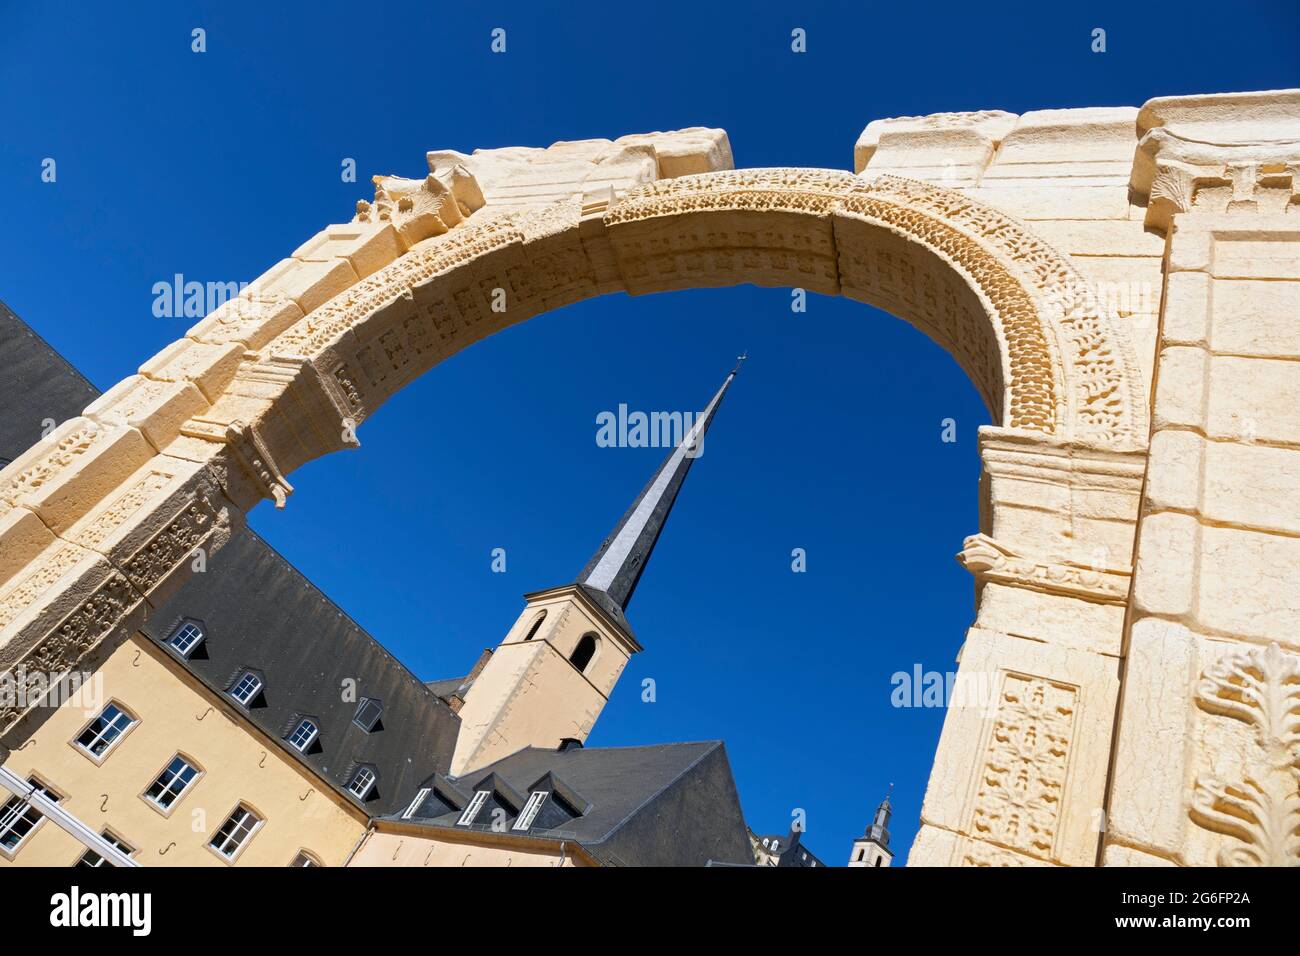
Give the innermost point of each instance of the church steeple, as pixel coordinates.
(612, 574)
(872, 848)
(551, 677)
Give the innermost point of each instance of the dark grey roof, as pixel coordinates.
(792, 852)
(657, 805)
(447, 686)
(36, 383)
(259, 613)
(612, 574)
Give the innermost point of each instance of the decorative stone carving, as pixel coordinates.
(1237, 152)
(990, 560)
(420, 209)
(1259, 686)
(1022, 781)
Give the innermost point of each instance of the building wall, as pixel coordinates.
(176, 715)
(399, 849)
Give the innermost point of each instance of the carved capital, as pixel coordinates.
(1232, 153)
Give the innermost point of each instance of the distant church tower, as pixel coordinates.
(872, 848)
(549, 679)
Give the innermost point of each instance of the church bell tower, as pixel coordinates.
(550, 677)
(872, 848)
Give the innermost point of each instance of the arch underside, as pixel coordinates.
(1012, 311)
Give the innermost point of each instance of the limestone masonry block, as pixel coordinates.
(22, 536)
(1256, 318)
(1166, 562)
(1247, 585)
(1091, 146)
(62, 476)
(990, 783)
(1187, 309)
(1180, 388)
(55, 585)
(251, 320)
(1256, 486)
(1162, 669)
(1174, 471)
(367, 246)
(971, 137)
(157, 409)
(309, 284)
(209, 367)
(1254, 399)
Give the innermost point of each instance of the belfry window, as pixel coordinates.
(584, 652)
(537, 624)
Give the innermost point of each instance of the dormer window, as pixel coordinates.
(472, 810)
(415, 804)
(584, 652)
(186, 638)
(531, 808)
(363, 782)
(368, 713)
(246, 689)
(304, 735)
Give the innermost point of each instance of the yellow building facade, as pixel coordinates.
(238, 770)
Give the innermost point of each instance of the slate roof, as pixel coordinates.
(36, 383)
(792, 852)
(258, 612)
(611, 575)
(656, 805)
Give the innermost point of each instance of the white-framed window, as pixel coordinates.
(235, 832)
(18, 818)
(531, 808)
(92, 859)
(415, 804)
(304, 735)
(363, 781)
(246, 688)
(185, 638)
(105, 731)
(172, 783)
(472, 810)
(305, 859)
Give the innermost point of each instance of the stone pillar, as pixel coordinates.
(1207, 761)
(1020, 773)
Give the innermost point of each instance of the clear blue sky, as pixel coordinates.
(217, 165)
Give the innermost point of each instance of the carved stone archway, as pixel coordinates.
(98, 524)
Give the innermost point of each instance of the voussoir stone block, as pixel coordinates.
(367, 246)
(62, 476)
(23, 536)
(250, 319)
(209, 367)
(156, 408)
(309, 284)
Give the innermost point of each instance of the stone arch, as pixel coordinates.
(1011, 309)
(101, 523)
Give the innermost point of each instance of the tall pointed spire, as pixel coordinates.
(614, 570)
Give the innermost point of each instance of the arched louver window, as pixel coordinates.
(537, 624)
(584, 652)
